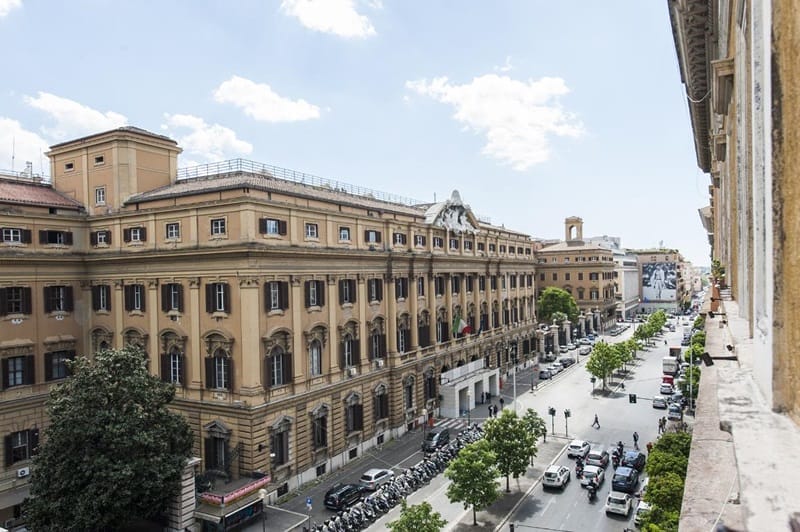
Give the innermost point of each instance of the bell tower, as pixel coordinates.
(573, 228)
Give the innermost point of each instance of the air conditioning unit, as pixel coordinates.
(379, 363)
(23, 472)
(352, 371)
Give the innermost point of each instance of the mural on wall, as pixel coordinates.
(659, 281)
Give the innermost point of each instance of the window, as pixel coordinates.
(347, 291)
(134, 234)
(21, 445)
(271, 226)
(438, 242)
(408, 394)
(492, 248)
(173, 231)
(15, 300)
(278, 368)
(218, 227)
(349, 352)
(354, 417)
(99, 159)
(312, 230)
(481, 246)
(541, 276)
(527, 251)
(134, 297)
(555, 276)
(100, 196)
(580, 276)
(372, 237)
(482, 283)
(401, 288)
(68, 167)
(530, 280)
(18, 371)
(455, 284)
(315, 293)
(594, 294)
(344, 234)
(218, 372)
(442, 331)
(593, 276)
(403, 340)
(172, 367)
(172, 297)
(430, 386)
(315, 357)
(399, 239)
(511, 249)
(15, 235)
(454, 243)
(101, 297)
(419, 241)
(493, 282)
(468, 245)
(381, 404)
(420, 287)
(438, 285)
(469, 281)
(502, 248)
(512, 281)
(566, 276)
(276, 295)
(218, 298)
(63, 238)
(375, 289)
(58, 299)
(55, 366)
(377, 344)
(503, 281)
(320, 430)
(279, 446)
(100, 238)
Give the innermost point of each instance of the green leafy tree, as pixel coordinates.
(660, 462)
(602, 362)
(417, 518)
(555, 300)
(623, 353)
(113, 452)
(699, 338)
(693, 353)
(666, 491)
(535, 424)
(512, 443)
(473, 473)
(678, 443)
(641, 334)
(699, 322)
(693, 376)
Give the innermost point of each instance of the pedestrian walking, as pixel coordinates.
(491, 411)
(596, 422)
(635, 440)
(649, 447)
(660, 426)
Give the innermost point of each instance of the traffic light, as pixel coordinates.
(552, 411)
(567, 413)
(631, 397)
(711, 314)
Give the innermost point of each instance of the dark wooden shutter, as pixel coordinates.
(281, 227)
(3, 302)
(267, 372)
(165, 367)
(371, 349)
(182, 370)
(341, 357)
(126, 235)
(95, 297)
(379, 289)
(48, 366)
(108, 237)
(341, 290)
(93, 238)
(382, 345)
(353, 291)
(209, 362)
(307, 289)
(107, 289)
(366, 236)
(210, 453)
(320, 293)
(378, 237)
(48, 299)
(30, 370)
(267, 287)
(4, 364)
(445, 331)
(68, 238)
(143, 234)
(226, 298)
(164, 297)
(356, 352)
(69, 299)
(180, 297)
(288, 375)
(262, 225)
(283, 289)
(229, 373)
(210, 298)
(33, 441)
(358, 417)
(43, 237)
(26, 236)
(7, 445)
(26, 300)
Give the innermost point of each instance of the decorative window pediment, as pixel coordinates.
(218, 429)
(217, 344)
(172, 342)
(281, 339)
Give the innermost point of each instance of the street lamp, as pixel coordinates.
(469, 408)
(262, 493)
(424, 422)
(567, 413)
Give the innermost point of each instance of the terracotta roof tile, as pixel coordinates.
(34, 194)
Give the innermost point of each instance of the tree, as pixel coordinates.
(623, 353)
(113, 451)
(666, 491)
(555, 300)
(693, 376)
(417, 518)
(602, 362)
(679, 443)
(535, 424)
(473, 474)
(660, 462)
(512, 443)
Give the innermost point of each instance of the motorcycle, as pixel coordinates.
(592, 493)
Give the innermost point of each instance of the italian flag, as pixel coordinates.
(460, 326)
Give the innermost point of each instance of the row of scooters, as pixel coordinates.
(387, 496)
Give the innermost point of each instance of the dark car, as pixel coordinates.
(625, 479)
(435, 439)
(634, 459)
(545, 374)
(566, 361)
(340, 496)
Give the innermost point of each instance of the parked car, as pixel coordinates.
(678, 399)
(633, 459)
(545, 374)
(625, 479)
(555, 368)
(584, 350)
(374, 478)
(641, 510)
(341, 496)
(618, 502)
(435, 439)
(556, 477)
(666, 389)
(659, 401)
(675, 412)
(594, 474)
(578, 448)
(549, 357)
(563, 349)
(597, 456)
(572, 346)
(585, 341)
(566, 361)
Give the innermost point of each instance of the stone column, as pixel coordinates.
(180, 512)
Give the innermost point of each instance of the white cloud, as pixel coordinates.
(259, 101)
(73, 119)
(507, 66)
(517, 117)
(338, 17)
(211, 142)
(24, 145)
(6, 6)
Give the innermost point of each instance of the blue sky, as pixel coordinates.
(534, 110)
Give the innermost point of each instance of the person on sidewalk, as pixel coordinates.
(596, 422)
(635, 440)
(491, 411)
(649, 447)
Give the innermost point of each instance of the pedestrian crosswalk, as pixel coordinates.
(451, 423)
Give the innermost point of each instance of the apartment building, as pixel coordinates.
(301, 320)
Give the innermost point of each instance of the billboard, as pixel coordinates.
(659, 281)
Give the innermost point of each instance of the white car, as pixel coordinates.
(585, 341)
(555, 369)
(659, 401)
(584, 350)
(642, 509)
(667, 389)
(578, 448)
(594, 474)
(619, 503)
(556, 477)
(375, 478)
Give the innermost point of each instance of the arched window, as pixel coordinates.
(381, 403)
(353, 413)
(315, 357)
(349, 352)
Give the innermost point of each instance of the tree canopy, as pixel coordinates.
(113, 451)
(603, 361)
(417, 518)
(512, 443)
(554, 300)
(473, 474)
